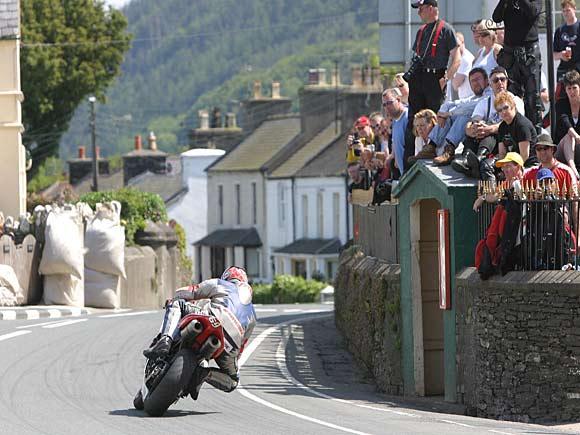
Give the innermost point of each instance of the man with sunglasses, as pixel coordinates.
(399, 114)
(482, 130)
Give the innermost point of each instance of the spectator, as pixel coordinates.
(568, 122)
(458, 87)
(423, 123)
(435, 48)
(521, 53)
(376, 118)
(358, 179)
(566, 48)
(516, 132)
(487, 57)
(362, 136)
(399, 113)
(400, 83)
(476, 27)
(482, 130)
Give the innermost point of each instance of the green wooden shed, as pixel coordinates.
(428, 331)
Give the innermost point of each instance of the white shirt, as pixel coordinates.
(480, 111)
(464, 89)
(485, 60)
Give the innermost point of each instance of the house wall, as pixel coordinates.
(12, 164)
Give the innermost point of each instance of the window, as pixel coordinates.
(252, 262)
(299, 268)
(320, 216)
(305, 216)
(238, 204)
(281, 205)
(335, 214)
(221, 204)
(331, 269)
(254, 204)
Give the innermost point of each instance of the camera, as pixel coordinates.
(356, 141)
(416, 62)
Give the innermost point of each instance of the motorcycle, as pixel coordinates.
(168, 378)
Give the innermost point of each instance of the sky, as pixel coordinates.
(116, 3)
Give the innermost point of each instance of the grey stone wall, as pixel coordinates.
(367, 313)
(518, 345)
(9, 19)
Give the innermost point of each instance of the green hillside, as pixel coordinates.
(189, 54)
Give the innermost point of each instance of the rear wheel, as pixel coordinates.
(138, 401)
(173, 382)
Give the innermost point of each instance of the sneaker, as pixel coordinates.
(445, 158)
(160, 348)
(427, 152)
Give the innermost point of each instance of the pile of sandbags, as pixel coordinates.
(104, 257)
(10, 291)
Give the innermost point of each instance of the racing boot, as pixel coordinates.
(161, 347)
(197, 379)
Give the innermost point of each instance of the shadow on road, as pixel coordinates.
(171, 413)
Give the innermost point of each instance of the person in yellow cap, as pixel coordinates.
(512, 166)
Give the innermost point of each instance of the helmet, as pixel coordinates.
(235, 273)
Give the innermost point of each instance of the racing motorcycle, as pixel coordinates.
(169, 378)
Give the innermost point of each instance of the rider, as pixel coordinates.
(229, 299)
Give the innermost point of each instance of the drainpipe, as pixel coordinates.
(293, 210)
(347, 209)
(408, 41)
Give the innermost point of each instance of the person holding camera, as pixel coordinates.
(566, 40)
(520, 55)
(361, 136)
(435, 48)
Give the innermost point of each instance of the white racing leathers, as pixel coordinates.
(231, 304)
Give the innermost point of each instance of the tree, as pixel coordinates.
(70, 49)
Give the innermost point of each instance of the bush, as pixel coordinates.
(262, 294)
(136, 208)
(184, 260)
(288, 289)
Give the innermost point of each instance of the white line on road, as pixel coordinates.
(13, 334)
(266, 310)
(136, 313)
(292, 310)
(65, 323)
(38, 324)
(456, 423)
(500, 432)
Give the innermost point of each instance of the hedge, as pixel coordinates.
(287, 289)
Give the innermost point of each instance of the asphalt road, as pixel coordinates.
(78, 376)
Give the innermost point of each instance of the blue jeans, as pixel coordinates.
(453, 131)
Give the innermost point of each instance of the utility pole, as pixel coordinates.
(550, 61)
(92, 101)
(336, 96)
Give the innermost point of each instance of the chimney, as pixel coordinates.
(376, 78)
(231, 120)
(82, 152)
(276, 90)
(257, 90)
(152, 141)
(203, 119)
(356, 77)
(138, 145)
(98, 152)
(335, 77)
(367, 75)
(321, 77)
(313, 76)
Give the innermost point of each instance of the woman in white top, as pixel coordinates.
(400, 83)
(486, 57)
(423, 123)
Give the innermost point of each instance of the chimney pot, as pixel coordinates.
(313, 76)
(138, 144)
(98, 152)
(231, 120)
(276, 90)
(81, 152)
(257, 89)
(152, 141)
(335, 77)
(357, 77)
(321, 77)
(203, 119)
(376, 78)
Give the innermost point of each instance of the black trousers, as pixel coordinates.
(424, 93)
(524, 67)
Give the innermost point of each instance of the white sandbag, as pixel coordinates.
(63, 244)
(102, 290)
(10, 291)
(105, 241)
(64, 289)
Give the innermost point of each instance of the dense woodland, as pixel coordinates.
(188, 55)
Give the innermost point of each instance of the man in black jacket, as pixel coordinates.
(520, 55)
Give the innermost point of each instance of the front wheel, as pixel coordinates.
(173, 382)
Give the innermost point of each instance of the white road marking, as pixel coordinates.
(54, 313)
(266, 310)
(136, 313)
(500, 432)
(38, 324)
(292, 310)
(65, 323)
(13, 334)
(456, 423)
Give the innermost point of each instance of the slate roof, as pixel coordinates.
(330, 162)
(247, 237)
(261, 145)
(300, 157)
(311, 247)
(9, 19)
(113, 181)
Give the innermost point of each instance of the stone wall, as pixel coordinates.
(367, 312)
(518, 345)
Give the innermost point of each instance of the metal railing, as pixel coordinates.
(548, 222)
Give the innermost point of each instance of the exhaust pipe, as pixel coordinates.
(209, 347)
(191, 331)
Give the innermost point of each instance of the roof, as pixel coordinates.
(303, 155)
(145, 152)
(444, 175)
(9, 19)
(113, 181)
(330, 162)
(311, 247)
(167, 186)
(203, 152)
(261, 145)
(247, 237)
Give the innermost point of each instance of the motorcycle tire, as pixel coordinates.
(138, 401)
(173, 382)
